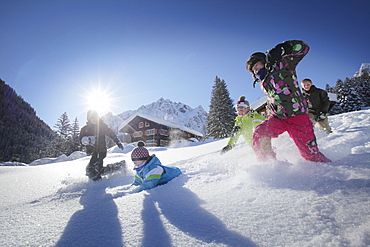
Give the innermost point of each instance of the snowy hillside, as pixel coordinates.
(228, 200)
(178, 113)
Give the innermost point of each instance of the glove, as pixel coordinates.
(321, 117)
(88, 140)
(228, 147)
(276, 53)
(120, 145)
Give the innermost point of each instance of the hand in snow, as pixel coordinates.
(321, 117)
(228, 147)
(120, 145)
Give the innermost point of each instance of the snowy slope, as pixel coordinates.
(228, 200)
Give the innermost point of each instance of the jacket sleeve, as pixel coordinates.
(152, 178)
(235, 134)
(299, 50)
(109, 132)
(325, 102)
(82, 133)
(137, 181)
(112, 135)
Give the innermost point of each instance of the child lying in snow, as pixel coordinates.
(149, 170)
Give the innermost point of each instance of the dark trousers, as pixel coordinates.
(97, 159)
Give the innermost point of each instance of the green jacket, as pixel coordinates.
(245, 126)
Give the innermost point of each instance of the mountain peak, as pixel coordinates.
(168, 110)
(365, 67)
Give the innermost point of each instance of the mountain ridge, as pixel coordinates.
(176, 112)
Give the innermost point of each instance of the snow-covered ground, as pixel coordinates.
(228, 200)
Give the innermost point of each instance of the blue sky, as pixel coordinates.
(56, 53)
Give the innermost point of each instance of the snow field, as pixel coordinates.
(220, 200)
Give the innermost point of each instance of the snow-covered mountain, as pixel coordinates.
(176, 112)
(365, 67)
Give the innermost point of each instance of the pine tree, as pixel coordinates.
(220, 120)
(336, 109)
(349, 98)
(63, 125)
(64, 143)
(329, 89)
(75, 132)
(363, 87)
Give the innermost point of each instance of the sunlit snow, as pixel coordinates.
(220, 200)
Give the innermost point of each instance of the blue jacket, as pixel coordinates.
(154, 173)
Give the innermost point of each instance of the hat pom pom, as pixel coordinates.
(241, 98)
(140, 144)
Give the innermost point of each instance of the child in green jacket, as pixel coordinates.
(245, 123)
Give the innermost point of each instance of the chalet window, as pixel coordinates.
(163, 132)
(151, 142)
(137, 134)
(147, 124)
(141, 125)
(150, 132)
(163, 142)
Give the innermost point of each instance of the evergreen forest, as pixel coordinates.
(23, 136)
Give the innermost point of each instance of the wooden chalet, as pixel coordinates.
(260, 105)
(156, 132)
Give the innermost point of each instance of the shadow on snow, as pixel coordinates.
(97, 224)
(181, 207)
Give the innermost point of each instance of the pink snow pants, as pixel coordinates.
(300, 129)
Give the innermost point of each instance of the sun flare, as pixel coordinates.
(99, 100)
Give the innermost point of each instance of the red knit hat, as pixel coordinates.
(140, 152)
(242, 103)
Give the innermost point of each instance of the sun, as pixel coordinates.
(99, 100)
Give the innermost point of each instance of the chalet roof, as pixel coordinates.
(260, 102)
(160, 121)
(333, 97)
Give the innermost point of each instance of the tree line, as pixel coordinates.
(353, 94)
(67, 135)
(24, 137)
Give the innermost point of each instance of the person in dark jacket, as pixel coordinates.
(286, 106)
(318, 104)
(92, 135)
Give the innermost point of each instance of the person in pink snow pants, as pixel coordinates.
(286, 107)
